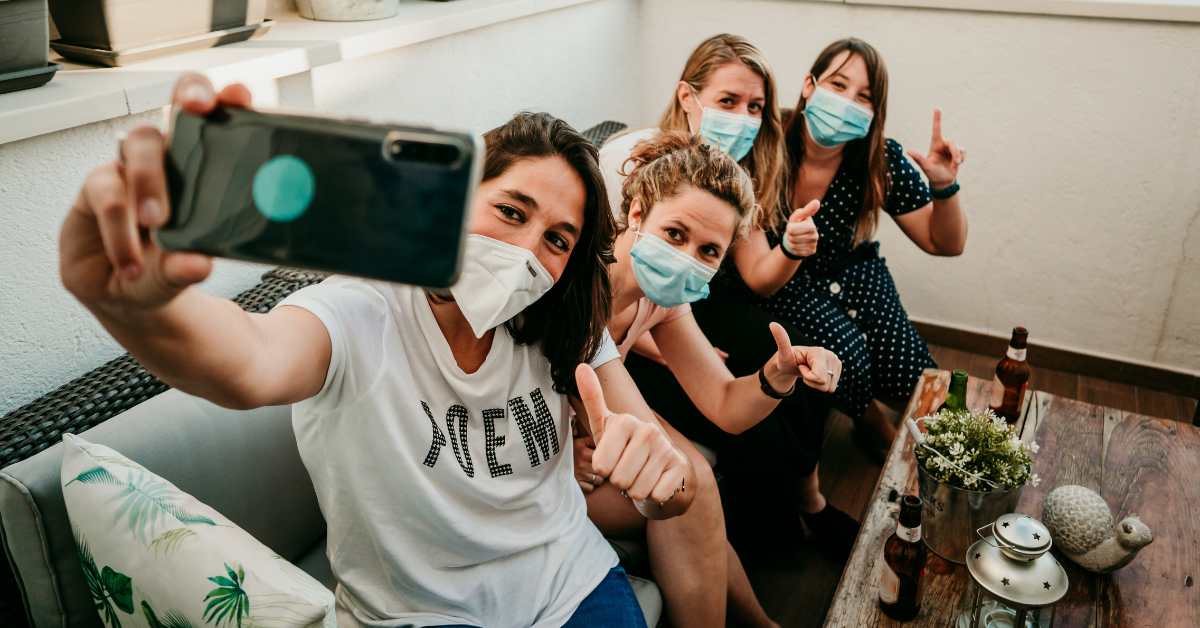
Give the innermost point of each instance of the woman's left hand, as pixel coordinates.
(585, 475)
(944, 158)
(819, 368)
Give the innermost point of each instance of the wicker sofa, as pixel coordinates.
(263, 485)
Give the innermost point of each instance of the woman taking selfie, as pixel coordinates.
(461, 398)
(843, 296)
(683, 205)
(726, 94)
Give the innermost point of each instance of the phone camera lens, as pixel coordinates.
(397, 147)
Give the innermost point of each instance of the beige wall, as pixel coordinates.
(1082, 182)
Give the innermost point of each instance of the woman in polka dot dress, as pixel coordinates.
(843, 296)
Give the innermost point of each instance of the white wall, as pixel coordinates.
(562, 62)
(1082, 182)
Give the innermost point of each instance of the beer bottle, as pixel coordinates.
(1012, 375)
(903, 564)
(956, 398)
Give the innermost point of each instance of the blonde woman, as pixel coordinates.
(726, 94)
(683, 205)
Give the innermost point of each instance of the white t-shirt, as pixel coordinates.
(612, 161)
(450, 498)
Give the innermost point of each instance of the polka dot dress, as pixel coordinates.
(844, 298)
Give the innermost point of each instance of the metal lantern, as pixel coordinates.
(1015, 581)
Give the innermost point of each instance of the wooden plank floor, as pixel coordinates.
(796, 590)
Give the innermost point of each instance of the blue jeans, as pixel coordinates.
(610, 605)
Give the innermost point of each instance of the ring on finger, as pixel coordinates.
(593, 480)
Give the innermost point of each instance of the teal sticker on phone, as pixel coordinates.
(283, 188)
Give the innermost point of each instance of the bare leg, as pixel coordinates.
(744, 609)
(875, 423)
(809, 489)
(687, 553)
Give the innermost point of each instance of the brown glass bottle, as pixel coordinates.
(903, 564)
(1012, 375)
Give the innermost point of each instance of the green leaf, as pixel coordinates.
(106, 586)
(228, 601)
(120, 461)
(147, 501)
(99, 475)
(170, 540)
(118, 586)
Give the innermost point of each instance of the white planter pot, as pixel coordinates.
(347, 10)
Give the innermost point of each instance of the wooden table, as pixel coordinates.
(1139, 464)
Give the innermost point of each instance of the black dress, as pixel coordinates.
(760, 467)
(844, 298)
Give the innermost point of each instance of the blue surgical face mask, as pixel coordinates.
(733, 133)
(832, 120)
(666, 275)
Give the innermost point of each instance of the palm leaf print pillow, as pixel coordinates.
(155, 557)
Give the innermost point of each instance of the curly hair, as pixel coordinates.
(672, 160)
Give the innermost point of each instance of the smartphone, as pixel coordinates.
(342, 196)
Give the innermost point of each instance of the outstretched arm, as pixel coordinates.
(143, 296)
(737, 404)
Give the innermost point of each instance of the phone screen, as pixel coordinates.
(377, 201)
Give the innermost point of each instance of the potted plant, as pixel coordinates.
(971, 468)
(347, 10)
(118, 32)
(24, 36)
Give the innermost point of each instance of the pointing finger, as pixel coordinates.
(937, 126)
(593, 399)
(806, 212)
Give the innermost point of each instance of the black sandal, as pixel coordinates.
(834, 532)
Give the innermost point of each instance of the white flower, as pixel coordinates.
(1033, 447)
(1034, 479)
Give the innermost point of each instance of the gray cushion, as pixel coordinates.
(243, 464)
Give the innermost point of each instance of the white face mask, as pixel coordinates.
(498, 281)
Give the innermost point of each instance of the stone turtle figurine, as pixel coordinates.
(1082, 527)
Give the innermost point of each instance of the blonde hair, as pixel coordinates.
(766, 157)
(666, 164)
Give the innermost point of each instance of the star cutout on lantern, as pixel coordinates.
(1004, 525)
(1047, 585)
(1004, 582)
(977, 556)
(1037, 536)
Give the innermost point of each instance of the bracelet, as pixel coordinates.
(766, 386)
(945, 192)
(786, 249)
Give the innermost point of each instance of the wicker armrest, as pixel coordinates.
(116, 386)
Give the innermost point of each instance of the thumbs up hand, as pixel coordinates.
(634, 455)
(820, 369)
(801, 232)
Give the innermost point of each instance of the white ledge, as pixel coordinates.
(82, 94)
(1155, 10)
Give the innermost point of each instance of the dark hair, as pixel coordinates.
(865, 157)
(569, 320)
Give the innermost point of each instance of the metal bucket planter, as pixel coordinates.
(952, 515)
